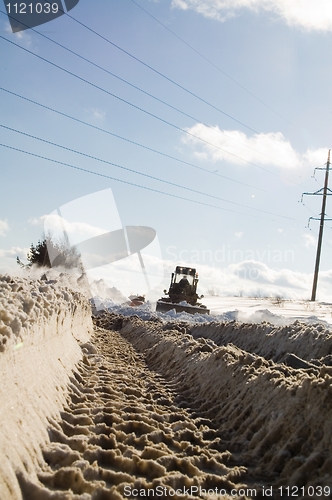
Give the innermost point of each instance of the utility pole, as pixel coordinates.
(325, 191)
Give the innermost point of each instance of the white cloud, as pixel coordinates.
(37, 221)
(56, 223)
(261, 274)
(309, 240)
(271, 148)
(23, 36)
(316, 157)
(14, 252)
(4, 227)
(97, 113)
(307, 14)
(239, 234)
(256, 279)
(8, 264)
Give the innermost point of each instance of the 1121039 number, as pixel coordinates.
(30, 8)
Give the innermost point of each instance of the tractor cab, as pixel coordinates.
(183, 285)
(183, 281)
(182, 290)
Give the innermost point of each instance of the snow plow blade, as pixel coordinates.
(168, 306)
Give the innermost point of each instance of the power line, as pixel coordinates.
(139, 173)
(143, 110)
(129, 183)
(129, 140)
(144, 91)
(209, 61)
(164, 76)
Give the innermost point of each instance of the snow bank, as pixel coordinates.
(306, 341)
(41, 325)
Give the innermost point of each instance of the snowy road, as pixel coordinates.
(154, 412)
(125, 431)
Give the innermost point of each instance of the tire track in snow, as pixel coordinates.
(124, 428)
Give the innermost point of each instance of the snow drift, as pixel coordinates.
(41, 325)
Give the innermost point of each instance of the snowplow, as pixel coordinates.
(136, 300)
(182, 293)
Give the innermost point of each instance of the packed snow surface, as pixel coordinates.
(159, 406)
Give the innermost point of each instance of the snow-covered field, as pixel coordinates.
(242, 309)
(236, 404)
(276, 311)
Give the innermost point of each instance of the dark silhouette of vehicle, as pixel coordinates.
(182, 293)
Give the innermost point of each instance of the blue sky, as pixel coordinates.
(264, 126)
